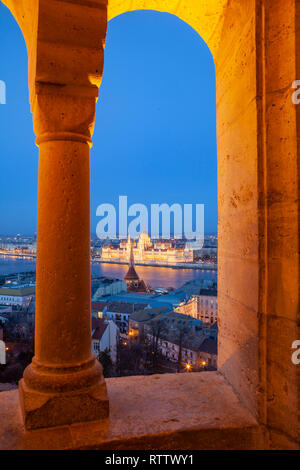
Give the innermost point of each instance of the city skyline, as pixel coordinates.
(151, 141)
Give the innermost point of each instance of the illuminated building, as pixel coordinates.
(203, 307)
(147, 252)
(120, 313)
(17, 294)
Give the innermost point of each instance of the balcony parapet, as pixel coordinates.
(171, 411)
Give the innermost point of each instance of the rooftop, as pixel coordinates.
(211, 292)
(146, 314)
(99, 305)
(131, 274)
(124, 307)
(195, 286)
(137, 297)
(192, 342)
(17, 288)
(18, 285)
(98, 328)
(210, 346)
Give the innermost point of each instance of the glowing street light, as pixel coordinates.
(188, 367)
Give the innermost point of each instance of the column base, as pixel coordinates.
(42, 409)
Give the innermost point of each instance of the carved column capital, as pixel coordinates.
(65, 42)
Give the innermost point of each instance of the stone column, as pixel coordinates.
(64, 383)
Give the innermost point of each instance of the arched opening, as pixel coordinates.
(19, 162)
(237, 110)
(155, 142)
(232, 32)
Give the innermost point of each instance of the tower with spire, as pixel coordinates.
(134, 283)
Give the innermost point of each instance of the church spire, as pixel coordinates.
(134, 284)
(131, 273)
(131, 259)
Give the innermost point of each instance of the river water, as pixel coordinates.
(153, 276)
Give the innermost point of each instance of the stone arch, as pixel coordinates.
(234, 53)
(205, 17)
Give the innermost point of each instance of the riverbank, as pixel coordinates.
(154, 276)
(18, 255)
(198, 266)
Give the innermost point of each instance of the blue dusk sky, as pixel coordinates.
(155, 133)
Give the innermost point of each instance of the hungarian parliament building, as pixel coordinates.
(145, 251)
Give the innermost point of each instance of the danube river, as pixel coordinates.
(153, 276)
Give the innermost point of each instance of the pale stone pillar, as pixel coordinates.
(64, 383)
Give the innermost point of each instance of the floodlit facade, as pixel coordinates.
(204, 307)
(145, 251)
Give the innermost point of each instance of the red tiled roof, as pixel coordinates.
(140, 287)
(131, 274)
(98, 328)
(99, 305)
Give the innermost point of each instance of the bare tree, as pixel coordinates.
(156, 330)
(182, 332)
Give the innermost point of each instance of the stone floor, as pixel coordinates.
(171, 411)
